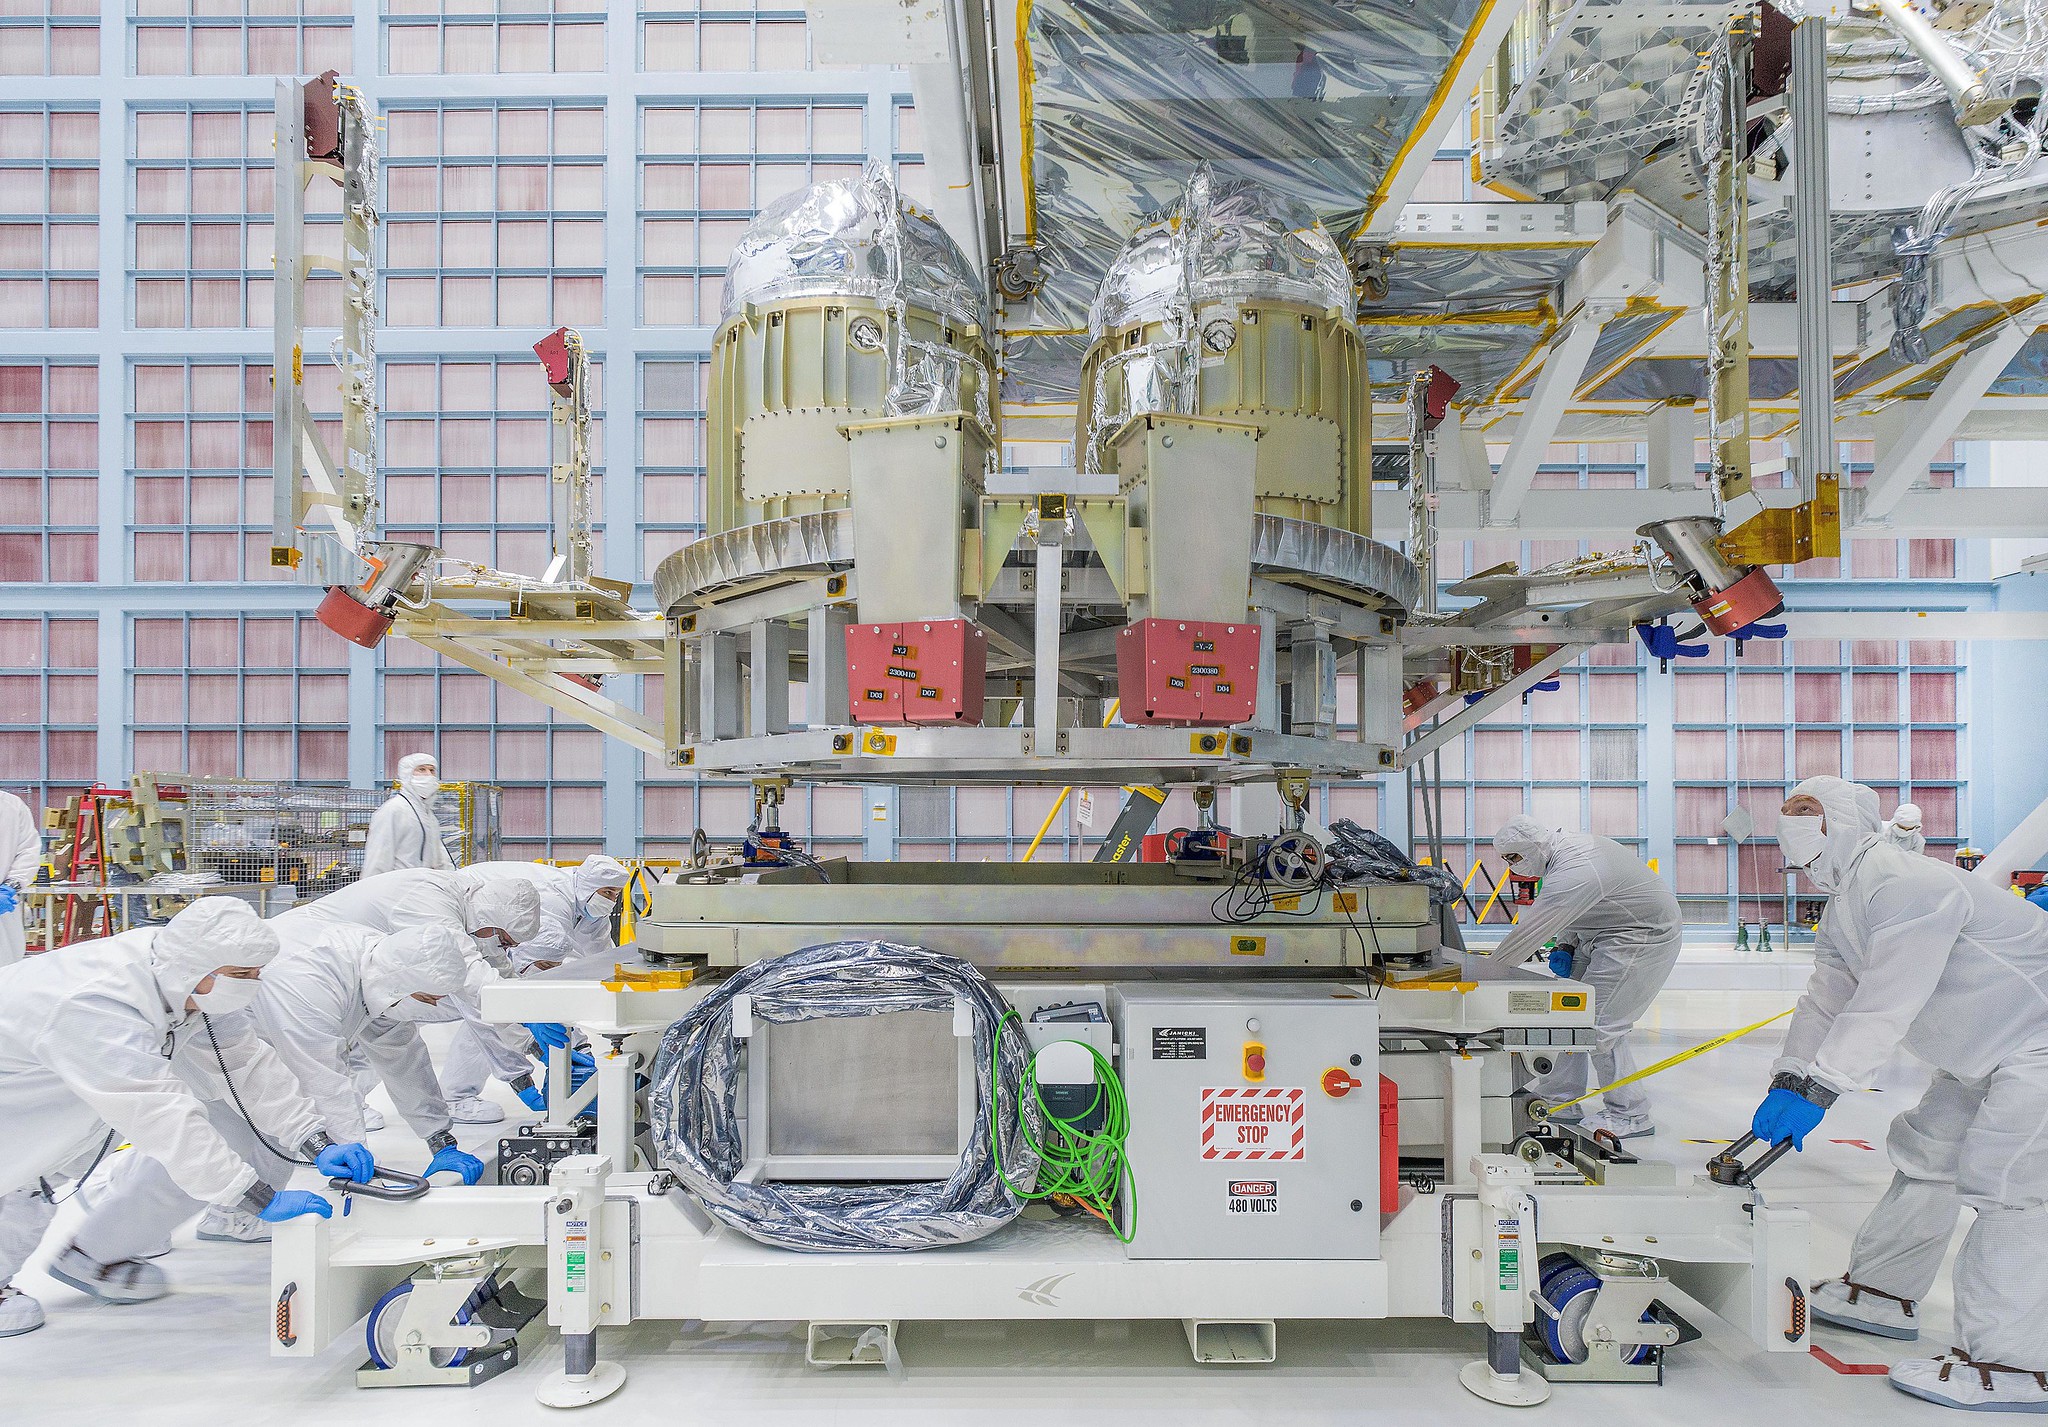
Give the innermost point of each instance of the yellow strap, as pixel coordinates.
(1715, 1044)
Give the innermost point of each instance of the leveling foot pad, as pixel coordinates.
(564, 1390)
(1525, 1389)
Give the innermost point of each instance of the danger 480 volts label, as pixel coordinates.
(1254, 1122)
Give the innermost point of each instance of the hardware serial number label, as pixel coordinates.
(1180, 1042)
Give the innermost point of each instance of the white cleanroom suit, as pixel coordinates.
(88, 1039)
(404, 832)
(467, 903)
(575, 916)
(575, 922)
(313, 1006)
(1623, 918)
(1903, 830)
(21, 852)
(334, 986)
(1914, 954)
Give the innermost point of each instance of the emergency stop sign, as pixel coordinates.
(1254, 1122)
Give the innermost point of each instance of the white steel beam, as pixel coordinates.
(2022, 847)
(562, 695)
(1609, 518)
(1920, 428)
(1969, 512)
(1462, 460)
(1465, 718)
(1563, 362)
(1671, 465)
(1447, 107)
(1958, 625)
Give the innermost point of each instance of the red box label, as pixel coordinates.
(1172, 671)
(923, 672)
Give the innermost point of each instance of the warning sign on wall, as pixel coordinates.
(1254, 1122)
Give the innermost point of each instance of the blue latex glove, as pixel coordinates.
(1561, 960)
(452, 1159)
(1662, 642)
(549, 1035)
(1785, 1115)
(532, 1099)
(346, 1162)
(1759, 631)
(291, 1203)
(9, 898)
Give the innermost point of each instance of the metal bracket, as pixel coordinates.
(1786, 535)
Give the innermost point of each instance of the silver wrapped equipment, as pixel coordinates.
(843, 304)
(851, 237)
(1228, 240)
(691, 1103)
(1235, 305)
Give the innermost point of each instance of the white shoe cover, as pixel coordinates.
(1955, 1381)
(18, 1313)
(1852, 1306)
(129, 1281)
(475, 1110)
(233, 1226)
(372, 1119)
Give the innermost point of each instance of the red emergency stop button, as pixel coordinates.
(1337, 1082)
(1254, 1061)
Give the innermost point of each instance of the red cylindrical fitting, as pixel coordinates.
(353, 620)
(1749, 599)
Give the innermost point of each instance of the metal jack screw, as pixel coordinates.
(585, 1378)
(578, 1281)
(1508, 1253)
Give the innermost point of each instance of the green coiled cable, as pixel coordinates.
(1086, 1165)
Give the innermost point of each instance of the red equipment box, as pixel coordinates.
(925, 671)
(1177, 671)
(1390, 1145)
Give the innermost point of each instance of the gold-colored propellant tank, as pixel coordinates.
(1236, 305)
(843, 303)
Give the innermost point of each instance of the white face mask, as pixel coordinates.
(598, 907)
(423, 785)
(229, 993)
(1801, 840)
(1533, 864)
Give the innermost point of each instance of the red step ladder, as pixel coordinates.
(86, 915)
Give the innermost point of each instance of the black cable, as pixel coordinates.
(1378, 964)
(1250, 896)
(206, 1021)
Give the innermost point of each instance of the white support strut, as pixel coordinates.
(1465, 718)
(1562, 365)
(1922, 427)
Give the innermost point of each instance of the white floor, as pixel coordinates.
(198, 1356)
